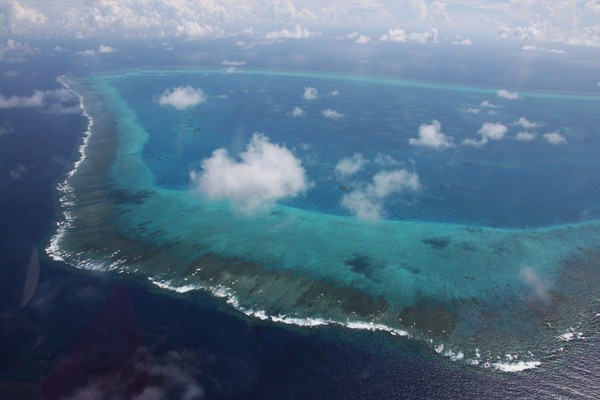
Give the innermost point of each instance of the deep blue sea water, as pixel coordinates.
(73, 313)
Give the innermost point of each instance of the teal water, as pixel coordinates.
(505, 297)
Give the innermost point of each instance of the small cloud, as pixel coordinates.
(86, 53)
(151, 375)
(464, 42)
(473, 110)
(555, 138)
(102, 49)
(399, 35)
(105, 49)
(12, 73)
(351, 165)
(297, 112)
(362, 39)
(525, 136)
(230, 63)
(394, 35)
(13, 51)
(474, 142)
(6, 129)
(487, 104)
(556, 51)
(264, 173)
(540, 287)
(334, 93)
(492, 130)
(505, 94)
(425, 37)
(431, 136)
(59, 108)
(332, 114)
(193, 30)
(529, 47)
(182, 97)
(367, 203)
(310, 93)
(385, 160)
(526, 123)
(35, 100)
(488, 131)
(296, 33)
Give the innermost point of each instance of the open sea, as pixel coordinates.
(121, 279)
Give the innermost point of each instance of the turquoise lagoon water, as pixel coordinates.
(493, 262)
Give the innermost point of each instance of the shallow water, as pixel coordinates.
(499, 297)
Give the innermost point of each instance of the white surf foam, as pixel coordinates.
(64, 188)
(516, 366)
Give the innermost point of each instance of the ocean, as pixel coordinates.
(120, 328)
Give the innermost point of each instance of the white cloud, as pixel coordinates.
(473, 110)
(394, 35)
(102, 49)
(505, 94)
(106, 49)
(57, 101)
(20, 17)
(296, 33)
(265, 173)
(529, 47)
(337, 92)
(351, 165)
(488, 131)
(474, 142)
(297, 112)
(564, 21)
(367, 202)
(431, 136)
(87, 52)
(540, 287)
(13, 51)
(525, 136)
(400, 35)
(35, 100)
(362, 205)
(362, 39)
(425, 37)
(487, 104)
(525, 123)
(555, 138)
(310, 93)
(385, 160)
(492, 130)
(182, 97)
(194, 30)
(332, 114)
(464, 42)
(231, 63)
